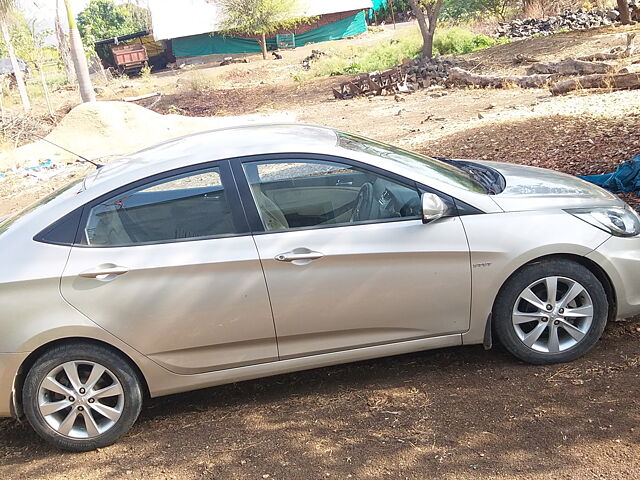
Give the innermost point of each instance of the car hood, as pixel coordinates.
(532, 188)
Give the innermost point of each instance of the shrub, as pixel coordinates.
(389, 53)
(382, 56)
(458, 41)
(145, 72)
(199, 82)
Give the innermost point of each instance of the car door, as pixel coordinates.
(168, 266)
(345, 273)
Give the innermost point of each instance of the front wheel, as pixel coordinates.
(81, 397)
(550, 312)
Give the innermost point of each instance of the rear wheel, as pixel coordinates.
(550, 312)
(81, 397)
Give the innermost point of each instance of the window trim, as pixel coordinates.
(243, 208)
(251, 209)
(228, 183)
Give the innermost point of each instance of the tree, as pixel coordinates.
(64, 48)
(499, 9)
(104, 19)
(6, 6)
(29, 45)
(427, 12)
(259, 17)
(625, 14)
(79, 58)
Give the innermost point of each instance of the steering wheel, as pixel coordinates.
(364, 201)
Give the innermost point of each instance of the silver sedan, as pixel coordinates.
(254, 251)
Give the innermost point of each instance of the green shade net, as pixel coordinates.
(208, 44)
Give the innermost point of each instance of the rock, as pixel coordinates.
(581, 19)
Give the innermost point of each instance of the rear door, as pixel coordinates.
(168, 266)
(347, 259)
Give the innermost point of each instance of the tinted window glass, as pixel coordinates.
(307, 193)
(188, 206)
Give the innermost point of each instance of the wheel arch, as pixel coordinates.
(589, 264)
(16, 404)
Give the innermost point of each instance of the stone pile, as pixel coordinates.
(581, 19)
(410, 76)
(423, 72)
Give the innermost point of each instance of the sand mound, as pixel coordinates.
(107, 129)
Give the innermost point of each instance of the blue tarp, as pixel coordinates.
(625, 179)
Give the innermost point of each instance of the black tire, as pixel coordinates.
(82, 352)
(506, 302)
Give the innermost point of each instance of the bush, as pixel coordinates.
(382, 56)
(389, 53)
(200, 82)
(458, 41)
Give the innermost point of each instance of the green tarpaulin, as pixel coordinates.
(208, 44)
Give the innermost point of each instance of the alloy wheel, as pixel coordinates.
(553, 314)
(81, 399)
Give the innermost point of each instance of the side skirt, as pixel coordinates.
(169, 383)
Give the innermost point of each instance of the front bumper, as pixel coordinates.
(9, 366)
(620, 259)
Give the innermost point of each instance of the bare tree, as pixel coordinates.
(64, 48)
(625, 14)
(5, 9)
(427, 12)
(79, 58)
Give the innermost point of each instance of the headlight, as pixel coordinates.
(618, 221)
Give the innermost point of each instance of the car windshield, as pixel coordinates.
(68, 190)
(436, 169)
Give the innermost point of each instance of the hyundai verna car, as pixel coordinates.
(254, 251)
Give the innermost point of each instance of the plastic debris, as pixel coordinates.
(625, 179)
(46, 164)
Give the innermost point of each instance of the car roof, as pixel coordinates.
(232, 142)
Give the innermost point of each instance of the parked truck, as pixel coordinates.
(130, 59)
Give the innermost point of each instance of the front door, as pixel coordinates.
(347, 259)
(168, 268)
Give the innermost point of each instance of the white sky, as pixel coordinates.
(44, 11)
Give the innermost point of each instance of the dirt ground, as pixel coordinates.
(460, 413)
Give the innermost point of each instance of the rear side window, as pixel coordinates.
(188, 206)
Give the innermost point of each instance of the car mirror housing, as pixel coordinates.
(433, 208)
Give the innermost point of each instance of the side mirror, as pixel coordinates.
(433, 208)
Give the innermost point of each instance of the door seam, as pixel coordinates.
(266, 284)
(253, 238)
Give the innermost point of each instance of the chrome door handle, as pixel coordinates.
(104, 271)
(299, 255)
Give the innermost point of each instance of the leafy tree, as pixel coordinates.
(259, 17)
(104, 19)
(470, 8)
(391, 7)
(427, 12)
(6, 8)
(27, 42)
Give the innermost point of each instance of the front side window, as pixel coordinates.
(188, 206)
(308, 193)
